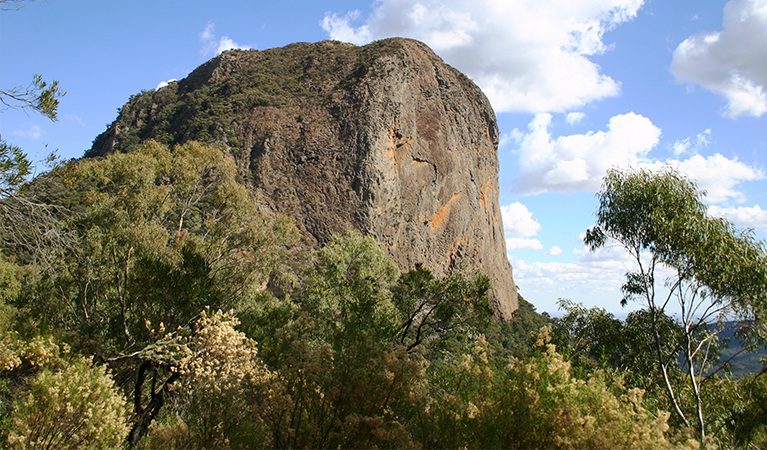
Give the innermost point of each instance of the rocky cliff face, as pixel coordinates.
(386, 139)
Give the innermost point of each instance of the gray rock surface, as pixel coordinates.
(386, 139)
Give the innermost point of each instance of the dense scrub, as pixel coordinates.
(179, 315)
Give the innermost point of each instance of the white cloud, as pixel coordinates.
(34, 132)
(578, 162)
(515, 244)
(162, 84)
(506, 139)
(717, 175)
(590, 277)
(683, 146)
(526, 55)
(554, 251)
(340, 28)
(569, 278)
(703, 139)
(207, 34)
(680, 147)
(731, 62)
(228, 44)
(574, 117)
(518, 221)
(742, 216)
(595, 278)
(215, 46)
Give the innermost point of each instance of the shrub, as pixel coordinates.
(77, 407)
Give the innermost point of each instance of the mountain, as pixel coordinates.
(743, 363)
(385, 138)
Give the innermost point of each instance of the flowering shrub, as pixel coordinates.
(544, 406)
(73, 408)
(222, 385)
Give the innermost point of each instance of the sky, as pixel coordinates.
(578, 87)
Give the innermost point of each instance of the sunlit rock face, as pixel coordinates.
(386, 139)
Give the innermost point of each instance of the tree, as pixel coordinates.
(75, 407)
(38, 96)
(161, 234)
(430, 307)
(219, 388)
(348, 289)
(26, 224)
(13, 5)
(14, 168)
(714, 270)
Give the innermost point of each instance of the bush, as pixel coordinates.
(77, 407)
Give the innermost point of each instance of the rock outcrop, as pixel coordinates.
(385, 138)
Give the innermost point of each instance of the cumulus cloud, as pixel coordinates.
(340, 28)
(731, 62)
(578, 162)
(554, 251)
(574, 117)
(212, 45)
(162, 84)
(526, 55)
(687, 146)
(518, 221)
(742, 216)
(515, 244)
(33, 133)
(595, 277)
(718, 175)
(587, 275)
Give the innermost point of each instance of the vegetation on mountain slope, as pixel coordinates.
(184, 317)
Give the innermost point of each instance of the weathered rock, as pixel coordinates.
(386, 139)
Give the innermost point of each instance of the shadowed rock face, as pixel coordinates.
(386, 139)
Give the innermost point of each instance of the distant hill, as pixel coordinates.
(745, 363)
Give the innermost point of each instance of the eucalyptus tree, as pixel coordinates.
(161, 234)
(705, 266)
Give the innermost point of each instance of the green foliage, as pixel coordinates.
(163, 233)
(513, 338)
(535, 403)
(717, 271)
(356, 396)
(662, 213)
(14, 168)
(348, 290)
(750, 416)
(553, 409)
(76, 407)
(38, 96)
(223, 387)
(343, 351)
(430, 308)
(61, 400)
(594, 333)
(11, 276)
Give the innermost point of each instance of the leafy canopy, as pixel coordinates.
(663, 214)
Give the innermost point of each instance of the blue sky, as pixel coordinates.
(578, 87)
